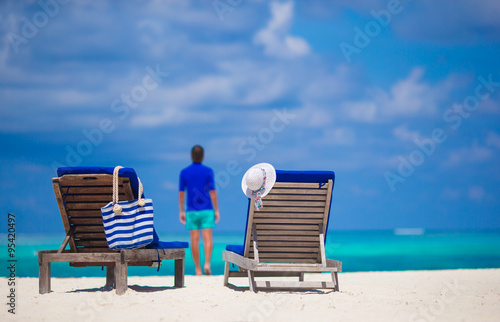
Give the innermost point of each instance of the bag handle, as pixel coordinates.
(116, 207)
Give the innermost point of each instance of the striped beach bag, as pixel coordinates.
(127, 224)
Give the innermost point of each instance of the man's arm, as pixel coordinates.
(215, 204)
(182, 213)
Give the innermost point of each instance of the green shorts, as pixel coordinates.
(201, 219)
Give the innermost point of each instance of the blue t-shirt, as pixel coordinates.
(198, 180)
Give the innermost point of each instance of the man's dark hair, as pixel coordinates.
(197, 153)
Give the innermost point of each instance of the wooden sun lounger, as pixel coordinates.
(286, 238)
(80, 198)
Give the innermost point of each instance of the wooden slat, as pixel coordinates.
(107, 197)
(91, 243)
(290, 209)
(265, 220)
(148, 254)
(282, 232)
(298, 191)
(295, 285)
(293, 203)
(309, 215)
(88, 190)
(265, 256)
(68, 256)
(289, 243)
(284, 260)
(285, 249)
(244, 273)
(85, 213)
(288, 227)
(111, 264)
(85, 221)
(100, 236)
(289, 238)
(90, 180)
(89, 229)
(86, 205)
(279, 185)
(94, 249)
(294, 197)
(293, 267)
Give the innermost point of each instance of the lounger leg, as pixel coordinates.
(335, 280)
(43, 275)
(179, 273)
(301, 277)
(226, 273)
(121, 278)
(251, 281)
(110, 277)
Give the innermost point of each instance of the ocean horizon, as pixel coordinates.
(360, 251)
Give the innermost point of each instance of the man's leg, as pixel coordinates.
(207, 245)
(195, 250)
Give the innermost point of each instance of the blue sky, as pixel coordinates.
(400, 98)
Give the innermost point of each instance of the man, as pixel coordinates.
(202, 206)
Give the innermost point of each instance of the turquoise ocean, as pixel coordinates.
(390, 250)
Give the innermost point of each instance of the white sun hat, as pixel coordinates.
(258, 181)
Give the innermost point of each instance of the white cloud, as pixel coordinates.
(311, 116)
(172, 116)
(476, 193)
(360, 111)
(490, 106)
(407, 97)
(339, 136)
(468, 155)
(191, 13)
(4, 52)
(261, 87)
(328, 9)
(403, 134)
(205, 88)
(464, 21)
(323, 87)
(493, 139)
(275, 38)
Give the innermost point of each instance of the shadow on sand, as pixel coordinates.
(137, 288)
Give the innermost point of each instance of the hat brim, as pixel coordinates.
(270, 179)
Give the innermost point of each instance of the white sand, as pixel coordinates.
(452, 295)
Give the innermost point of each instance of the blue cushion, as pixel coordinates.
(304, 176)
(238, 249)
(157, 244)
(293, 176)
(168, 245)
